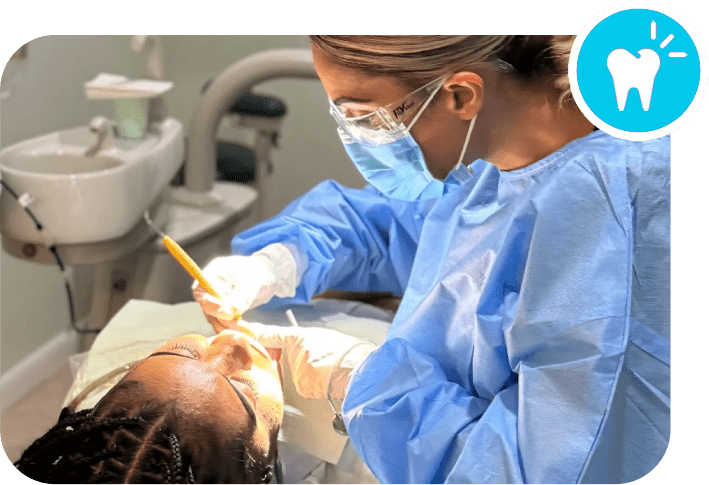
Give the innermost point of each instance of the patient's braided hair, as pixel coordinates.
(144, 448)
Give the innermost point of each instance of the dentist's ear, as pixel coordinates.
(465, 92)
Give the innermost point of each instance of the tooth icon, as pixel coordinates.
(630, 72)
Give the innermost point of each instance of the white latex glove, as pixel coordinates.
(244, 282)
(314, 354)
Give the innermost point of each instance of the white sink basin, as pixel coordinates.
(80, 198)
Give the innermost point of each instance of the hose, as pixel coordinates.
(55, 253)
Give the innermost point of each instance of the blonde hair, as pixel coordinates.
(417, 59)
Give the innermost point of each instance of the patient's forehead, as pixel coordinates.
(191, 389)
(181, 377)
(210, 443)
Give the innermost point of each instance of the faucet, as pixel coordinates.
(151, 45)
(227, 87)
(104, 129)
(153, 54)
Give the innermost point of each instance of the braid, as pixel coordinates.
(77, 448)
(165, 474)
(67, 451)
(105, 445)
(168, 473)
(176, 461)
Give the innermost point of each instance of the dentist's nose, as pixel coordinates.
(230, 350)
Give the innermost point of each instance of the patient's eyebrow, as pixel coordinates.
(247, 405)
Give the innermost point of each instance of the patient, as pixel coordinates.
(197, 410)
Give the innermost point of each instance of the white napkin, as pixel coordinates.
(132, 334)
(114, 86)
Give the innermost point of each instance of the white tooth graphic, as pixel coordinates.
(630, 72)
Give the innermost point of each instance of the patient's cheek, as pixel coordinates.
(218, 325)
(274, 353)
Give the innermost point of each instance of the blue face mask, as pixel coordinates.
(397, 167)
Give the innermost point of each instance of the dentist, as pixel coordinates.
(531, 251)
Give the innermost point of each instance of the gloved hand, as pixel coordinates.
(245, 282)
(317, 356)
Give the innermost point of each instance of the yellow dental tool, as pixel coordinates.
(190, 266)
(187, 263)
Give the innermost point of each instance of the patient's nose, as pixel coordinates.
(231, 350)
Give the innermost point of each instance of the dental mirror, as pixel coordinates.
(339, 424)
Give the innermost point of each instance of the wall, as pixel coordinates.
(46, 94)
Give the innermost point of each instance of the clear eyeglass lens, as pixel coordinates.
(373, 129)
(350, 111)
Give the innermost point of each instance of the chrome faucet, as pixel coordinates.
(153, 54)
(103, 128)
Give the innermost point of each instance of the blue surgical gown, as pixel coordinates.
(532, 340)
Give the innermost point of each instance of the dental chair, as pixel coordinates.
(236, 162)
(310, 449)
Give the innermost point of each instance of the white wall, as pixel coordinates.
(46, 94)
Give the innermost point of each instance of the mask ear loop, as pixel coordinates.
(425, 105)
(467, 139)
(470, 128)
(503, 67)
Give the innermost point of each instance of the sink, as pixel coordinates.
(80, 198)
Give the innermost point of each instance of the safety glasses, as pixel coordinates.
(375, 126)
(372, 126)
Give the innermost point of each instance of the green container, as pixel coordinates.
(131, 117)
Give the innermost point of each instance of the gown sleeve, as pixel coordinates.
(353, 240)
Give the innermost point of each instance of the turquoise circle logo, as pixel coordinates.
(636, 72)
